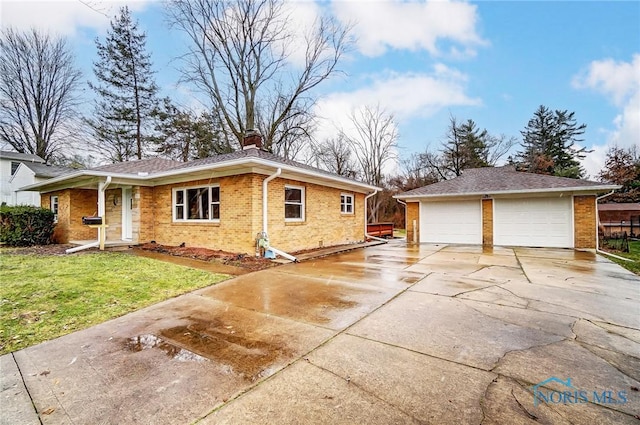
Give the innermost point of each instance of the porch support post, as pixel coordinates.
(102, 230)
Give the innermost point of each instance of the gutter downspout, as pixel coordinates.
(366, 219)
(102, 187)
(265, 193)
(598, 250)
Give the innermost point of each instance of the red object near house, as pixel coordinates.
(381, 230)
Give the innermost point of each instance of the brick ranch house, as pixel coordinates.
(221, 202)
(504, 207)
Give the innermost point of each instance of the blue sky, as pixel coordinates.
(491, 61)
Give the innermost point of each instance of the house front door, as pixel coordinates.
(127, 208)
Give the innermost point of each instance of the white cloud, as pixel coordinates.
(405, 96)
(63, 17)
(413, 25)
(619, 82)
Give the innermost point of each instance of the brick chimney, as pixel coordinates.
(252, 139)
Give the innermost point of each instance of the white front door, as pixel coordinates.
(127, 209)
(537, 222)
(451, 222)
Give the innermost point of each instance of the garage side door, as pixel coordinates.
(538, 222)
(451, 222)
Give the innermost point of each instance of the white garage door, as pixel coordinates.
(451, 222)
(543, 222)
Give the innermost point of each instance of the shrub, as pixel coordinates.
(25, 226)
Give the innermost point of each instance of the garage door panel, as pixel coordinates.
(451, 222)
(545, 222)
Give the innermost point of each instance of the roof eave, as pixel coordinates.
(206, 167)
(594, 189)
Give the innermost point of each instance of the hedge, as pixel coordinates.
(26, 226)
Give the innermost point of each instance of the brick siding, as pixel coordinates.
(584, 218)
(73, 204)
(487, 222)
(413, 213)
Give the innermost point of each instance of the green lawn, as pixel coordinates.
(47, 296)
(633, 254)
(399, 233)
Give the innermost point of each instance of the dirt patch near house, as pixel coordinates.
(53, 249)
(247, 262)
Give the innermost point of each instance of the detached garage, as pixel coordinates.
(502, 206)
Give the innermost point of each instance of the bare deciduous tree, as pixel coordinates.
(374, 143)
(335, 156)
(240, 57)
(38, 83)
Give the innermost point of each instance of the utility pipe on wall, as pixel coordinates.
(265, 183)
(366, 219)
(265, 197)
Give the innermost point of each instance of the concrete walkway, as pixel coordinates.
(388, 334)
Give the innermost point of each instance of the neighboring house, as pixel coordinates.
(222, 202)
(501, 206)
(618, 218)
(9, 164)
(29, 173)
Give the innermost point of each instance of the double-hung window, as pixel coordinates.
(346, 203)
(196, 204)
(53, 201)
(293, 203)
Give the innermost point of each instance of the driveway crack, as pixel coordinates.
(24, 384)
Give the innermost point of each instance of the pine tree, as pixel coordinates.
(181, 135)
(125, 90)
(466, 147)
(549, 144)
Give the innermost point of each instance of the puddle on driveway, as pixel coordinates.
(147, 341)
(291, 296)
(228, 346)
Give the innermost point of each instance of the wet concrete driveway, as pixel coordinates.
(388, 334)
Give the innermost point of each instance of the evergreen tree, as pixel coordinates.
(181, 135)
(548, 145)
(466, 147)
(125, 90)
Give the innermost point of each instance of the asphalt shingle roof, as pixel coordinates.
(151, 166)
(158, 165)
(498, 179)
(25, 157)
(47, 171)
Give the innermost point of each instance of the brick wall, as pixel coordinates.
(113, 213)
(61, 231)
(73, 204)
(324, 224)
(233, 233)
(413, 213)
(241, 217)
(487, 222)
(584, 216)
(141, 216)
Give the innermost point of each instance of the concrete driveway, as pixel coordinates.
(389, 334)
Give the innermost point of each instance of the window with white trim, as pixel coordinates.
(196, 203)
(53, 204)
(293, 203)
(346, 203)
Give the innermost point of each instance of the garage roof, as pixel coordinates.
(503, 180)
